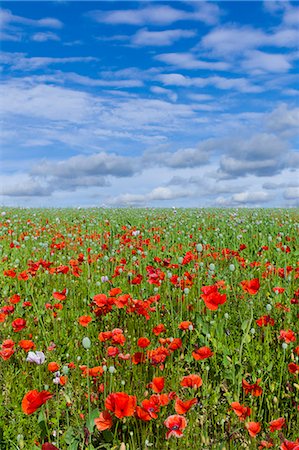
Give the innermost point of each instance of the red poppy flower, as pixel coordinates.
(212, 297)
(265, 444)
(114, 292)
(293, 368)
(53, 366)
(9, 273)
(121, 404)
(27, 344)
(49, 446)
(288, 336)
(176, 425)
(151, 407)
(6, 353)
(289, 445)
(14, 299)
(8, 343)
(33, 400)
(254, 389)
(60, 295)
(251, 286)
(175, 344)
(191, 381)
(159, 329)
(202, 353)
(242, 411)
(181, 407)
(187, 325)
(138, 358)
(277, 424)
(84, 320)
(157, 385)
(104, 422)
(253, 428)
(18, 324)
(263, 321)
(143, 342)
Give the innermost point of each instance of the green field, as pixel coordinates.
(158, 329)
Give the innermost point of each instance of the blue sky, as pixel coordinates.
(191, 104)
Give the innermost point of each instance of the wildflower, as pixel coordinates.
(181, 407)
(264, 321)
(242, 411)
(157, 385)
(212, 297)
(104, 421)
(26, 344)
(251, 286)
(253, 428)
(122, 404)
(33, 400)
(18, 324)
(143, 342)
(288, 336)
(191, 381)
(254, 389)
(53, 366)
(49, 446)
(277, 424)
(36, 357)
(202, 353)
(176, 425)
(84, 320)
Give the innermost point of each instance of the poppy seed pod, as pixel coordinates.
(86, 343)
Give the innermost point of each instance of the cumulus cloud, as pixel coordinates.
(251, 197)
(157, 194)
(284, 120)
(6, 17)
(189, 61)
(160, 38)
(99, 164)
(158, 15)
(24, 185)
(292, 193)
(232, 40)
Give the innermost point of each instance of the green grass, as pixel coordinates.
(121, 244)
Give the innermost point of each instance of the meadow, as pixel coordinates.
(149, 329)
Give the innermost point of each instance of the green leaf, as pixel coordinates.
(69, 435)
(90, 419)
(245, 324)
(108, 436)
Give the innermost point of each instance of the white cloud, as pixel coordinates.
(162, 91)
(284, 120)
(251, 197)
(160, 38)
(238, 84)
(99, 164)
(159, 15)
(259, 62)
(45, 36)
(233, 40)
(189, 61)
(291, 193)
(6, 17)
(48, 102)
(157, 194)
(19, 61)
